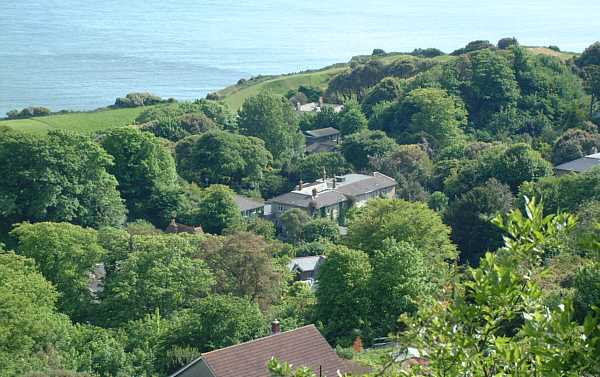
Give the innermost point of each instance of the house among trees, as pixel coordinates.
(322, 140)
(175, 228)
(317, 106)
(303, 347)
(332, 197)
(306, 268)
(581, 165)
(250, 207)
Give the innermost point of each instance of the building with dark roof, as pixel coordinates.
(332, 197)
(581, 165)
(322, 140)
(306, 268)
(303, 347)
(249, 206)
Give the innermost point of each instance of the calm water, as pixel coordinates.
(81, 54)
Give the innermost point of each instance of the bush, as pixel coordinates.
(473, 46)
(137, 100)
(378, 52)
(427, 52)
(505, 43)
(28, 112)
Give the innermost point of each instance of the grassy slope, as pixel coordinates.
(235, 95)
(85, 122)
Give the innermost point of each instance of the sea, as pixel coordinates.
(82, 54)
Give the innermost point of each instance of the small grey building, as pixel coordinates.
(250, 207)
(581, 165)
(306, 268)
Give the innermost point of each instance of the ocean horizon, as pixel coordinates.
(63, 54)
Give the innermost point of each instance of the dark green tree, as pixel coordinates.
(59, 177)
(223, 158)
(311, 167)
(146, 174)
(343, 302)
(292, 223)
(574, 144)
(590, 56)
(271, 118)
(388, 89)
(322, 229)
(217, 210)
(351, 119)
(359, 148)
(470, 218)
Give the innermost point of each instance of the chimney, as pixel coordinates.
(321, 101)
(300, 184)
(314, 193)
(275, 327)
(334, 182)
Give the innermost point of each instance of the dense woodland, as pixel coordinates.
(486, 260)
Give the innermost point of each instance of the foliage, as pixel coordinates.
(29, 324)
(175, 128)
(470, 215)
(430, 114)
(137, 99)
(325, 118)
(262, 227)
(590, 56)
(157, 273)
(28, 112)
(351, 119)
(66, 255)
(217, 321)
(496, 322)
(380, 219)
(410, 166)
(343, 302)
(146, 174)
(312, 166)
(587, 291)
(505, 43)
(271, 118)
(511, 165)
(322, 229)
(359, 148)
(292, 223)
(217, 210)
(574, 144)
(400, 280)
(296, 307)
(388, 89)
(243, 265)
(592, 84)
(221, 157)
(473, 46)
(61, 177)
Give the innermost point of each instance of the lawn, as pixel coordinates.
(85, 122)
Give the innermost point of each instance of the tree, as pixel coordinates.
(380, 219)
(574, 144)
(223, 158)
(592, 85)
(351, 120)
(505, 43)
(217, 210)
(293, 221)
(158, 273)
(410, 166)
(218, 112)
(322, 229)
(590, 56)
(175, 128)
(29, 324)
(358, 148)
(400, 280)
(66, 255)
(587, 291)
(343, 303)
(470, 218)
(511, 165)
(261, 227)
(296, 307)
(243, 265)
(474, 46)
(432, 114)
(271, 118)
(497, 321)
(311, 167)
(146, 174)
(493, 84)
(217, 321)
(59, 177)
(388, 89)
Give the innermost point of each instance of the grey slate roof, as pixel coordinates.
(306, 263)
(321, 146)
(582, 164)
(247, 204)
(323, 132)
(324, 199)
(366, 186)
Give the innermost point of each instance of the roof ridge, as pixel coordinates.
(260, 339)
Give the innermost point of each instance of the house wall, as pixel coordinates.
(361, 200)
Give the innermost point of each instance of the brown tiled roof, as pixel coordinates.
(303, 347)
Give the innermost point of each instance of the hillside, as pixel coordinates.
(233, 95)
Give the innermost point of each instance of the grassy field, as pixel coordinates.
(235, 95)
(85, 122)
